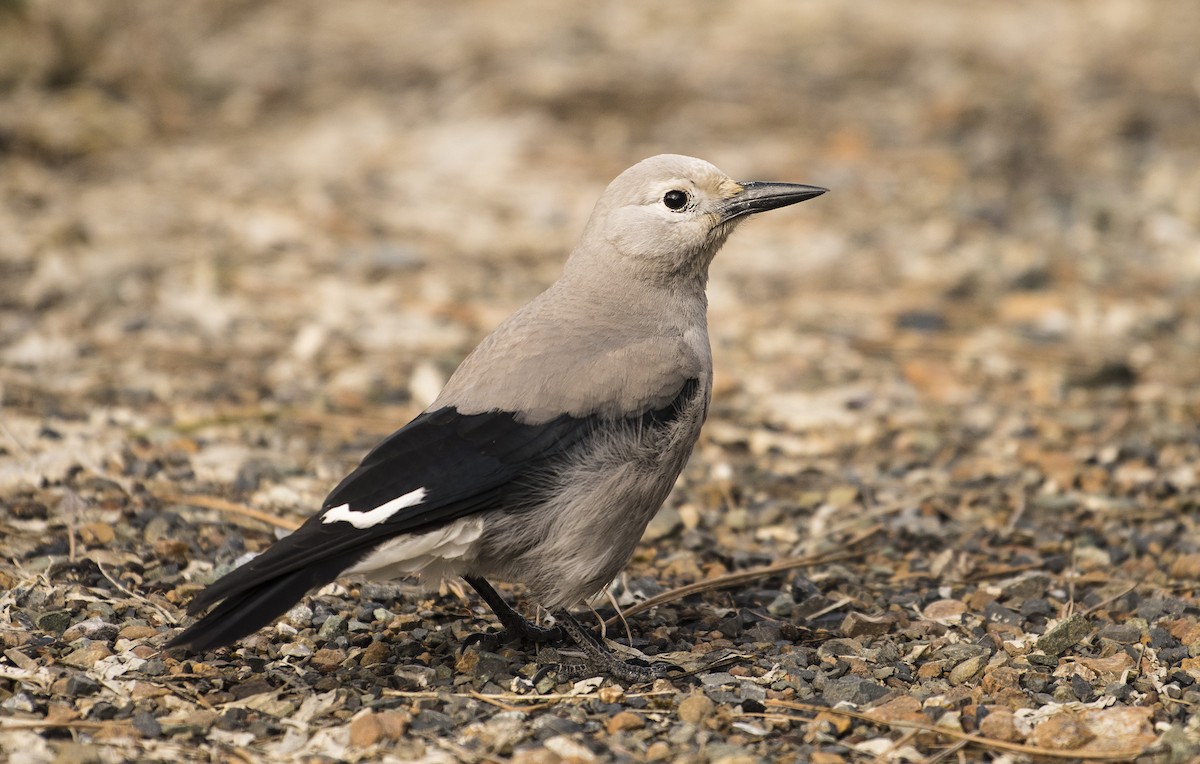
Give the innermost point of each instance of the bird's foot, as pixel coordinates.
(515, 627)
(610, 665)
(598, 661)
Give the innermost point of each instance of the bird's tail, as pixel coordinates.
(249, 600)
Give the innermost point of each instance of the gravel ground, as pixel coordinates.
(946, 504)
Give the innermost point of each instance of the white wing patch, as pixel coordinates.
(371, 518)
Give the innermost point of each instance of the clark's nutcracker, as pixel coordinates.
(552, 445)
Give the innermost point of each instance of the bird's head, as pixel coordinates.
(668, 215)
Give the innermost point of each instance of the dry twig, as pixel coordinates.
(166, 616)
(735, 579)
(229, 507)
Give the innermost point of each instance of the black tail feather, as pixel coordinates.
(245, 609)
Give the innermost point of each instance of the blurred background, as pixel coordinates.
(215, 212)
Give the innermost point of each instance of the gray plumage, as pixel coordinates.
(557, 439)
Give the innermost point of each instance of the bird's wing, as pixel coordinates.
(438, 468)
(441, 467)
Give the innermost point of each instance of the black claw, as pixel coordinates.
(486, 640)
(540, 674)
(667, 668)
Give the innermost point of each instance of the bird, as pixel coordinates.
(553, 444)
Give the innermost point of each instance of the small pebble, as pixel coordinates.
(333, 625)
(966, 671)
(623, 721)
(1000, 724)
(377, 652)
(569, 749)
(1061, 732)
(695, 708)
(853, 689)
(79, 685)
(137, 632)
(55, 622)
(859, 625)
(85, 657)
(658, 751)
(327, 660)
(97, 534)
(1126, 634)
(1065, 635)
(365, 731)
(146, 725)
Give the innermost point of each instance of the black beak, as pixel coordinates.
(760, 196)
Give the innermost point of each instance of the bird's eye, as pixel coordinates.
(675, 199)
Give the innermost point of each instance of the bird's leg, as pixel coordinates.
(516, 627)
(598, 659)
